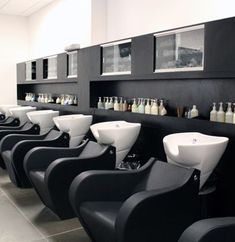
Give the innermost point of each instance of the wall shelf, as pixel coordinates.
(52, 81)
(54, 106)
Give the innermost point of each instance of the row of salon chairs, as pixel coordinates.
(139, 205)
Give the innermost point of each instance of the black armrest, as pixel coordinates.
(41, 157)
(11, 122)
(21, 148)
(162, 213)
(105, 185)
(33, 130)
(24, 146)
(9, 141)
(210, 230)
(60, 173)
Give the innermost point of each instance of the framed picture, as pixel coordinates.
(116, 58)
(180, 50)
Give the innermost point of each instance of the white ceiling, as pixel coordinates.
(22, 7)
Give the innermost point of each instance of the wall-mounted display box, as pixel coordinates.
(30, 70)
(180, 50)
(116, 58)
(72, 64)
(50, 67)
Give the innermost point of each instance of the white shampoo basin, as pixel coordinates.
(5, 109)
(77, 125)
(192, 149)
(120, 134)
(44, 118)
(20, 112)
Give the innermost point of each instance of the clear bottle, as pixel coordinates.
(162, 110)
(75, 100)
(134, 108)
(116, 104)
(220, 114)
(42, 98)
(124, 106)
(154, 108)
(141, 106)
(234, 113)
(229, 114)
(213, 113)
(147, 108)
(100, 104)
(120, 104)
(194, 112)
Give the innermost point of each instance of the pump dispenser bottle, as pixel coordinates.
(124, 106)
(213, 113)
(194, 112)
(229, 114)
(141, 106)
(120, 104)
(134, 108)
(100, 104)
(220, 114)
(116, 104)
(162, 110)
(106, 102)
(147, 108)
(234, 113)
(154, 108)
(110, 104)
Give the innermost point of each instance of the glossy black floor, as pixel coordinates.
(23, 218)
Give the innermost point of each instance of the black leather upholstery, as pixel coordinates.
(210, 230)
(10, 122)
(2, 118)
(25, 129)
(155, 203)
(52, 175)
(15, 147)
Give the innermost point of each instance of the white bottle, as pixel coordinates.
(100, 104)
(134, 108)
(106, 104)
(147, 108)
(110, 103)
(213, 113)
(220, 114)
(194, 112)
(141, 106)
(46, 99)
(116, 104)
(58, 101)
(229, 114)
(154, 108)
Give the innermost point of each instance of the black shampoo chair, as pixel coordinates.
(14, 148)
(52, 175)
(210, 230)
(155, 203)
(10, 122)
(27, 128)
